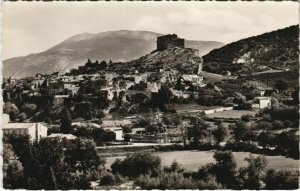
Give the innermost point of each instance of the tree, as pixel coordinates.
(225, 168)
(246, 118)
(251, 177)
(108, 179)
(281, 180)
(29, 109)
(137, 164)
(165, 95)
(66, 121)
(175, 167)
(265, 139)
(239, 130)
(220, 133)
(12, 169)
(281, 85)
(82, 156)
(198, 132)
(110, 136)
(264, 125)
(11, 109)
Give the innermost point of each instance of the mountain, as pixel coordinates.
(118, 46)
(269, 51)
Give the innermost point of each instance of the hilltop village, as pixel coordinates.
(161, 101)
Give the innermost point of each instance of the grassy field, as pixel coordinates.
(184, 107)
(231, 114)
(191, 160)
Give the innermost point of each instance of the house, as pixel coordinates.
(35, 130)
(192, 78)
(261, 102)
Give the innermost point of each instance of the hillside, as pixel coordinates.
(185, 60)
(269, 51)
(118, 46)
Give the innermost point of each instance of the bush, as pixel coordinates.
(108, 179)
(174, 181)
(137, 164)
(283, 179)
(246, 118)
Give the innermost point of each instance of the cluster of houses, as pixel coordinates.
(61, 86)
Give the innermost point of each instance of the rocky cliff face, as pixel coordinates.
(273, 50)
(118, 46)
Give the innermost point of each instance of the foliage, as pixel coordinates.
(250, 177)
(175, 167)
(242, 132)
(12, 169)
(282, 179)
(220, 133)
(136, 164)
(82, 156)
(66, 121)
(29, 109)
(108, 179)
(11, 109)
(198, 131)
(281, 85)
(174, 181)
(246, 118)
(225, 168)
(265, 139)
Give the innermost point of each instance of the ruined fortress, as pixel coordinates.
(169, 41)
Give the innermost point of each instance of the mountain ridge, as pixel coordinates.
(118, 46)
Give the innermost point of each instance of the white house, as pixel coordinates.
(35, 130)
(261, 102)
(192, 78)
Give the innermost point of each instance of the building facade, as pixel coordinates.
(36, 131)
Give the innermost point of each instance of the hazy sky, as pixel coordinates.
(30, 27)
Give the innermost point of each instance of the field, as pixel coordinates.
(191, 160)
(187, 107)
(231, 114)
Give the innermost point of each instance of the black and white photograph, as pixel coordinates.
(150, 95)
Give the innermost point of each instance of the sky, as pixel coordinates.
(31, 27)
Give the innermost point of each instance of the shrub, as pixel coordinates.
(246, 118)
(137, 164)
(282, 179)
(108, 179)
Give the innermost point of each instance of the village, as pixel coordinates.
(155, 104)
(112, 86)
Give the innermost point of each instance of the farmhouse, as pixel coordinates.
(261, 102)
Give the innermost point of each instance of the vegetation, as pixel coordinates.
(45, 164)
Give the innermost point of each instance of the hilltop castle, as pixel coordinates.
(169, 41)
